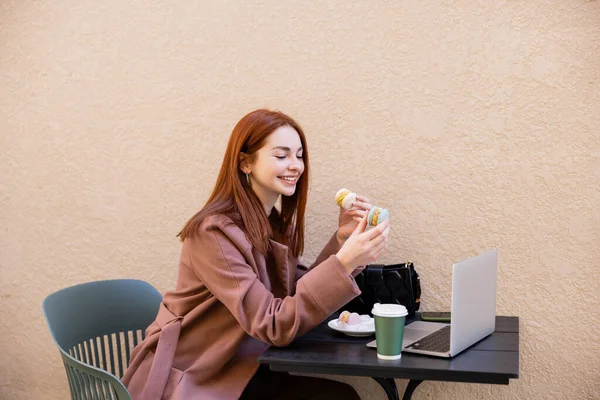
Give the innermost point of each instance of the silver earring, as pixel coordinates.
(248, 178)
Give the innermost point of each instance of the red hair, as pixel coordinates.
(233, 196)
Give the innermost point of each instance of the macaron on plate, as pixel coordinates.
(352, 324)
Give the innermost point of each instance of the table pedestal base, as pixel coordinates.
(389, 386)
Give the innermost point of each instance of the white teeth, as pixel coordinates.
(288, 179)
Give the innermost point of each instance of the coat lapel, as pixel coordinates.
(284, 267)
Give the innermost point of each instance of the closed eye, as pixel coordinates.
(300, 156)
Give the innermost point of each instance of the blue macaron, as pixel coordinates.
(377, 215)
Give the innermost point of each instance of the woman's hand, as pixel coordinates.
(363, 248)
(349, 219)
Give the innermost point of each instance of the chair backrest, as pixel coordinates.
(95, 325)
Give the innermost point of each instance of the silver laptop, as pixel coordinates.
(473, 311)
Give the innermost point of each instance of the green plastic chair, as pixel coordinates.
(95, 325)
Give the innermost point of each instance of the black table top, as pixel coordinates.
(494, 359)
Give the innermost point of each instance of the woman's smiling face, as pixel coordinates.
(277, 166)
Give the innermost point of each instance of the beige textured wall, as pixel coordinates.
(476, 122)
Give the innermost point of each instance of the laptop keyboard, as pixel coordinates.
(438, 341)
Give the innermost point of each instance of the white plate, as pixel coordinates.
(365, 328)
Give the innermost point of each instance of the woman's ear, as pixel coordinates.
(244, 163)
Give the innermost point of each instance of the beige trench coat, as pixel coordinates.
(230, 304)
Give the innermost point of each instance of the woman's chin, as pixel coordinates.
(288, 192)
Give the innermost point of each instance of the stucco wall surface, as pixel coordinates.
(475, 122)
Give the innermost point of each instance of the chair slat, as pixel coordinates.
(93, 353)
(100, 349)
(80, 352)
(70, 380)
(100, 386)
(111, 346)
(74, 383)
(107, 389)
(134, 338)
(86, 351)
(94, 387)
(128, 346)
(121, 352)
(79, 384)
(86, 385)
(103, 351)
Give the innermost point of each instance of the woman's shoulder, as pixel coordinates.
(222, 222)
(224, 226)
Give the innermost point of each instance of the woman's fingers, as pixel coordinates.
(377, 241)
(378, 230)
(365, 205)
(362, 224)
(381, 247)
(357, 213)
(362, 202)
(362, 198)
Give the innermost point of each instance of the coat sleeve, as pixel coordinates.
(331, 248)
(218, 260)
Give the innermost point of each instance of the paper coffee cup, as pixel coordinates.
(389, 329)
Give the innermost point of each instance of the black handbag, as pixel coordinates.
(397, 283)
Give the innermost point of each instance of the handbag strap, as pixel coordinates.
(409, 267)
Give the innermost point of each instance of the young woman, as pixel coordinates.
(240, 288)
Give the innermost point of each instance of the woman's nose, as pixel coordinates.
(296, 164)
